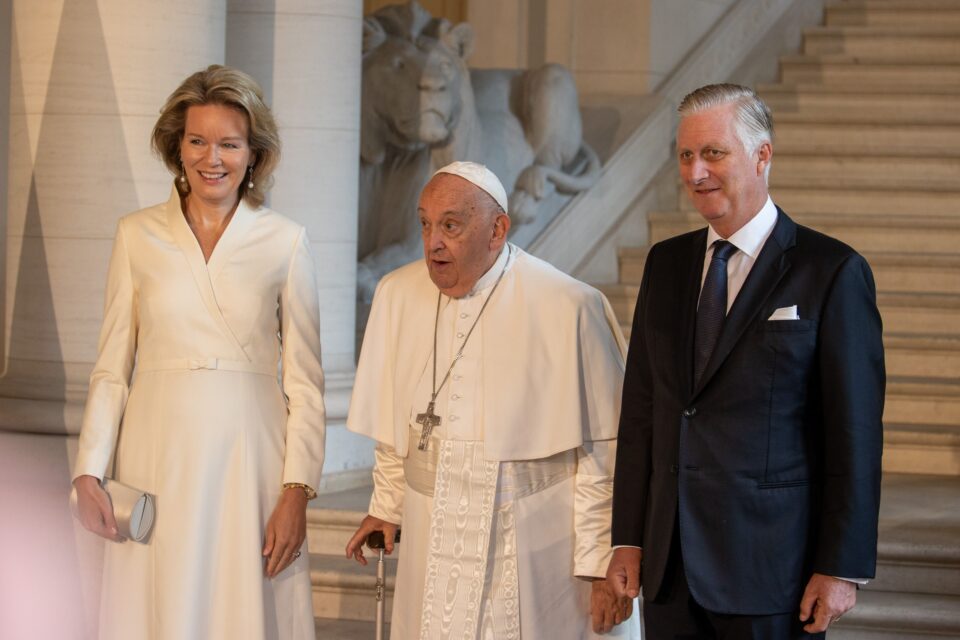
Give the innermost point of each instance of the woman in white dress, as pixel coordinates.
(208, 296)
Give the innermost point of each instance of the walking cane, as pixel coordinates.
(376, 541)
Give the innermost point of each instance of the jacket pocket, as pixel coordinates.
(782, 484)
(787, 325)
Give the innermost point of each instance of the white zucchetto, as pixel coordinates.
(480, 176)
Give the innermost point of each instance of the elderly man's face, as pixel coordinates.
(724, 181)
(462, 232)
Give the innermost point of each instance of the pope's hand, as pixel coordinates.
(286, 531)
(95, 509)
(368, 526)
(623, 573)
(606, 608)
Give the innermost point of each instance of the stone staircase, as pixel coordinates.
(866, 151)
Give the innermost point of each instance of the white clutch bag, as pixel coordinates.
(133, 509)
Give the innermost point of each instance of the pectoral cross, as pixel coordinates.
(429, 420)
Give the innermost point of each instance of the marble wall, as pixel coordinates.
(619, 47)
(87, 79)
(86, 82)
(81, 84)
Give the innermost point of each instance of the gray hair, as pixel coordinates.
(754, 122)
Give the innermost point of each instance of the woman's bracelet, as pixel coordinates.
(307, 489)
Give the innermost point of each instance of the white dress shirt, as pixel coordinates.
(749, 240)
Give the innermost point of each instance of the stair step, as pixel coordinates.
(921, 273)
(858, 102)
(333, 629)
(842, 69)
(844, 139)
(915, 314)
(913, 568)
(329, 530)
(934, 234)
(345, 590)
(334, 517)
(920, 313)
(866, 172)
(921, 448)
(901, 13)
(922, 356)
(884, 615)
(906, 355)
(905, 40)
(933, 401)
(890, 202)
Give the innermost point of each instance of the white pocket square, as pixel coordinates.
(785, 313)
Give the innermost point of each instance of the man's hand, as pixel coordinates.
(826, 599)
(368, 526)
(286, 531)
(606, 608)
(623, 574)
(95, 509)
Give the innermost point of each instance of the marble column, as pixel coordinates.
(87, 79)
(306, 55)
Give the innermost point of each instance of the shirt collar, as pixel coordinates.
(751, 237)
(504, 261)
(488, 279)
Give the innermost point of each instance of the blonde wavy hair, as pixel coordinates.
(229, 87)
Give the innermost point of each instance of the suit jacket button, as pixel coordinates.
(674, 469)
(689, 412)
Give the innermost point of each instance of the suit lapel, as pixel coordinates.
(198, 267)
(767, 271)
(688, 309)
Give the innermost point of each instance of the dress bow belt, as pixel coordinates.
(194, 364)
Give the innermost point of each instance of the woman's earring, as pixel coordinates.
(250, 177)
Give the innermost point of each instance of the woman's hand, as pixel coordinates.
(95, 509)
(286, 531)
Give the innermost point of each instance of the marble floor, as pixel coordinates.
(47, 564)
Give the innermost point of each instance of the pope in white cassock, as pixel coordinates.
(491, 383)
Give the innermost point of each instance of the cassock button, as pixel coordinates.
(464, 315)
(674, 469)
(454, 418)
(457, 377)
(455, 397)
(460, 335)
(689, 412)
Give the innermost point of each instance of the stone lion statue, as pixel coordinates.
(422, 108)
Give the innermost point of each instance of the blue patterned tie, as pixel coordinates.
(712, 309)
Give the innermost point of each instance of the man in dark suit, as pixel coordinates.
(747, 484)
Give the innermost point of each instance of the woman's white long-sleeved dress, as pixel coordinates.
(185, 393)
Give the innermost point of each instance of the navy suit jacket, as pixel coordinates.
(770, 464)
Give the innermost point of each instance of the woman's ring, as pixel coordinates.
(296, 555)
